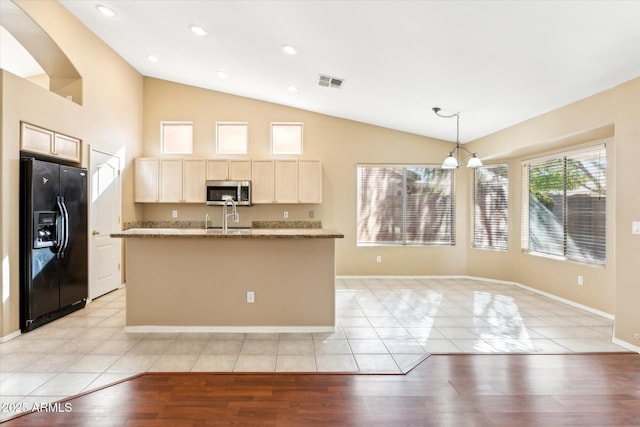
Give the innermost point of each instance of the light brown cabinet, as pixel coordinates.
(231, 169)
(146, 180)
(262, 182)
(158, 180)
(178, 180)
(310, 181)
(287, 181)
(170, 181)
(37, 140)
(193, 183)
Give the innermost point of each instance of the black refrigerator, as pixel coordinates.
(53, 241)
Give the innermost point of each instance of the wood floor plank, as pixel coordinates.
(444, 390)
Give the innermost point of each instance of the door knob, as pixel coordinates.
(95, 232)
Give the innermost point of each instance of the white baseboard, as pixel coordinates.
(502, 282)
(548, 295)
(626, 345)
(10, 336)
(228, 329)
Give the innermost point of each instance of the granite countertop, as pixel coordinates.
(232, 233)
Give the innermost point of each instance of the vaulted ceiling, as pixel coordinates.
(496, 62)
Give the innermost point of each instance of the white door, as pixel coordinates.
(106, 252)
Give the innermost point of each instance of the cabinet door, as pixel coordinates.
(146, 180)
(310, 181)
(240, 170)
(286, 181)
(170, 180)
(36, 139)
(66, 147)
(262, 183)
(194, 187)
(217, 169)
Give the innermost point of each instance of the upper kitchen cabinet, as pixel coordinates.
(286, 181)
(310, 181)
(170, 181)
(146, 180)
(158, 180)
(194, 186)
(37, 140)
(262, 182)
(233, 169)
(183, 180)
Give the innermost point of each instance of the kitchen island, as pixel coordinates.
(196, 280)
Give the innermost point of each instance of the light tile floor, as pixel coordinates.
(384, 326)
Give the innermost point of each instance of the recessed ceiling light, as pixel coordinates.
(152, 58)
(105, 10)
(198, 30)
(289, 50)
(292, 89)
(222, 74)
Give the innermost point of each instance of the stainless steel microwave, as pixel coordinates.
(219, 191)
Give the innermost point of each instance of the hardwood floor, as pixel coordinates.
(444, 390)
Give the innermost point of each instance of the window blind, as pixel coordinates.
(565, 206)
(491, 207)
(410, 205)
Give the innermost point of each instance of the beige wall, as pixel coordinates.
(615, 289)
(340, 144)
(110, 118)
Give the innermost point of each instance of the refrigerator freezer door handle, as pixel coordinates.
(66, 228)
(64, 238)
(59, 228)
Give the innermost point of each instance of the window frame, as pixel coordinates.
(300, 125)
(525, 211)
(450, 241)
(474, 243)
(168, 124)
(218, 136)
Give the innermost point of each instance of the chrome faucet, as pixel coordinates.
(234, 213)
(206, 222)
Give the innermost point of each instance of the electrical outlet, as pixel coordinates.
(174, 214)
(312, 214)
(379, 258)
(580, 280)
(285, 214)
(251, 297)
(635, 227)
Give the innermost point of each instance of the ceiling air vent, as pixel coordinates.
(328, 81)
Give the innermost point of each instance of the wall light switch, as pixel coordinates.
(251, 297)
(379, 258)
(635, 227)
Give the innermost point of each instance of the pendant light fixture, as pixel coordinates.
(452, 161)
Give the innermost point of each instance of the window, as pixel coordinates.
(405, 205)
(177, 137)
(491, 207)
(565, 205)
(231, 138)
(286, 138)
